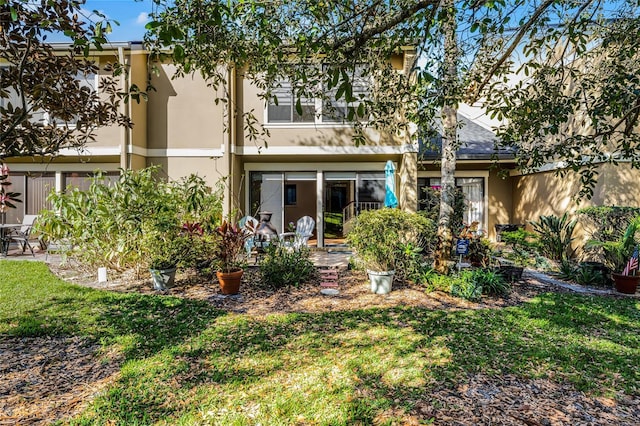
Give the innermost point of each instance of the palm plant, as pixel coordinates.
(555, 235)
(617, 253)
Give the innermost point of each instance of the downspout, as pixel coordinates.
(124, 110)
(230, 149)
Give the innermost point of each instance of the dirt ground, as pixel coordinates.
(47, 379)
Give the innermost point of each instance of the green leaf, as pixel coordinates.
(298, 107)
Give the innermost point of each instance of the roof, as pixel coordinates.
(476, 143)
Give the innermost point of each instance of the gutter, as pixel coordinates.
(125, 135)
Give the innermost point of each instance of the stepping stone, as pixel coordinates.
(328, 278)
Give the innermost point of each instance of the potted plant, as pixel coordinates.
(167, 250)
(523, 247)
(230, 256)
(379, 238)
(621, 256)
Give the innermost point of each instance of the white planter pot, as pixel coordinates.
(162, 278)
(381, 281)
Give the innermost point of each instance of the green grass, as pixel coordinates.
(187, 363)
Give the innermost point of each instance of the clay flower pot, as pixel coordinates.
(627, 284)
(230, 281)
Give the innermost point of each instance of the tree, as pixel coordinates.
(44, 107)
(468, 51)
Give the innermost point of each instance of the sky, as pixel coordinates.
(132, 16)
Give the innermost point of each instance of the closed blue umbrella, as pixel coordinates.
(390, 199)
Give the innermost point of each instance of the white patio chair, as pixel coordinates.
(299, 238)
(249, 224)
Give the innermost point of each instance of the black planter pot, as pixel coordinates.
(600, 269)
(510, 273)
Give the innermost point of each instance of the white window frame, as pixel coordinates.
(468, 174)
(318, 114)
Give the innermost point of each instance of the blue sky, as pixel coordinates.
(132, 16)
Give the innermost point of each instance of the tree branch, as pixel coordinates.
(393, 21)
(516, 41)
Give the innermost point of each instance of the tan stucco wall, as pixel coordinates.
(407, 182)
(178, 167)
(299, 134)
(182, 112)
(500, 205)
(108, 136)
(138, 110)
(547, 194)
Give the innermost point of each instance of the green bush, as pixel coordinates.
(117, 224)
(555, 235)
(472, 284)
(524, 246)
(464, 285)
(283, 267)
(606, 223)
(390, 239)
(491, 282)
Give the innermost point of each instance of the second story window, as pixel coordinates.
(282, 108)
(86, 85)
(337, 111)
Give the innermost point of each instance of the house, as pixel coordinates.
(310, 166)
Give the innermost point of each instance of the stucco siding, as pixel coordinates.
(182, 112)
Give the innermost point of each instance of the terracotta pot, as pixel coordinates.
(230, 281)
(627, 284)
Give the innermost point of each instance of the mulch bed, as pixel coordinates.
(257, 300)
(47, 379)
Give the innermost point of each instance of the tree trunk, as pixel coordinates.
(442, 261)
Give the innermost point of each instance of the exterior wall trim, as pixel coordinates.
(143, 152)
(303, 167)
(48, 167)
(324, 150)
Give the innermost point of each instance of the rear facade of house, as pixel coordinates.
(310, 165)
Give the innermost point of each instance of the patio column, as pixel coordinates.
(409, 182)
(320, 207)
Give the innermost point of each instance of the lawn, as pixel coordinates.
(183, 362)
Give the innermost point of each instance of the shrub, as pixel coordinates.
(438, 282)
(466, 287)
(555, 235)
(523, 246)
(606, 223)
(491, 282)
(472, 284)
(113, 224)
(284, 267)
(390, 239)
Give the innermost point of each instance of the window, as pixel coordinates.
(82, 180)
(337, 110)
(472, 188)
(87, 82)
(290, 194)
(282, 109)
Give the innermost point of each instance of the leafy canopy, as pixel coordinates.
(44, 105)
(563, 72)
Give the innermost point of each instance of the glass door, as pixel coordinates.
(339, 204)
